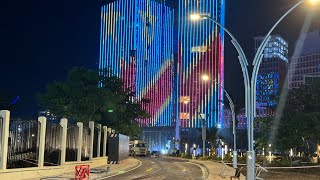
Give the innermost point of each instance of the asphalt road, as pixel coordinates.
(164, 169)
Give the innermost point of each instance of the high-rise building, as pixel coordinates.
(305, 64)
(273, 70)
(137, 46)
(200, 51)
(262, 112)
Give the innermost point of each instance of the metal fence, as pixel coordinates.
(52, 150)
(85, 145)
(22, 144)
(72, 142)
(95, 141)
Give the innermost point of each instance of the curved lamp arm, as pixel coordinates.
(242, 59)
(230, 103)
(259, 55)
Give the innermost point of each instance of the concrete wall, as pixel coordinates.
(42, 172)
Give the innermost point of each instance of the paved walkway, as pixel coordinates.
(217, 170)
(115, 169)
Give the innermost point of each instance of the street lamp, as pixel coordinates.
(235, 153)
(250, 87)
(313, 2)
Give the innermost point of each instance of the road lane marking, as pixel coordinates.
(106, 177)
(121, 172)
(150, 169)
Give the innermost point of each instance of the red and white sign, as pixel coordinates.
(82, 172)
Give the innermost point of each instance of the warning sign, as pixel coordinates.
(82, 172)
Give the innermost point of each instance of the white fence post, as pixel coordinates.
(42, 139)
(99, 140)
(64, 126)
(105, 140)
(5, 136)
(91, 126)
(80, 134)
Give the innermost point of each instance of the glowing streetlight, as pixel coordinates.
(205, 77)
(313, 2)
(195, 17)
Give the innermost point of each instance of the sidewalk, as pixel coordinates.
(215, 168)
(115, 169)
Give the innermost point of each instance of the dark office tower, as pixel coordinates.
(273, 70)
(304, 66)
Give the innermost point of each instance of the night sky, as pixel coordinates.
(41, 40)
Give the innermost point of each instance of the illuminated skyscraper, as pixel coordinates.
(137, 46)
(200, 51)
(272, 71)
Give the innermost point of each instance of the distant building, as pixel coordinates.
(305, 65)
(48, 115)
(262, 112)
(311, 79)
(273, 70)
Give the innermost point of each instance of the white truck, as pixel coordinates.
(138, 148)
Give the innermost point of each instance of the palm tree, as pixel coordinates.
(213, 136)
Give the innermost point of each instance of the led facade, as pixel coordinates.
(200, 51)
(272, 71)
(137, 46)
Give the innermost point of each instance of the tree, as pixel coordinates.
(263, 130)
(213, 136)
(89, 95)
(298, 126)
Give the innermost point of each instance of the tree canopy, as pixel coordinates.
(88, 95)
(298, 126)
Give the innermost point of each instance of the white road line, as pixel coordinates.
(106, 177)
(203, 169)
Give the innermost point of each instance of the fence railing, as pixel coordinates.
(22, 143)
(39, 143)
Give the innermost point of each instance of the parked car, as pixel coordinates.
(155, 154)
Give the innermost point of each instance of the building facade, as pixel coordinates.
(273, 70)
(305, 65)
(200, 51)
(262, 112)
(136, 45)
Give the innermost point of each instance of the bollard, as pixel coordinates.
(42, 139)
(105, 140)
(99, 140)
(5, 136)
(91, 126)
(79, 145)
(64, 126)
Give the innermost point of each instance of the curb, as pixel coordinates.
(128, 169)
(205, 166)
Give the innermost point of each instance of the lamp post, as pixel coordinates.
(203, 127)
(250, 87)
(203, 132)
(235, 154)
